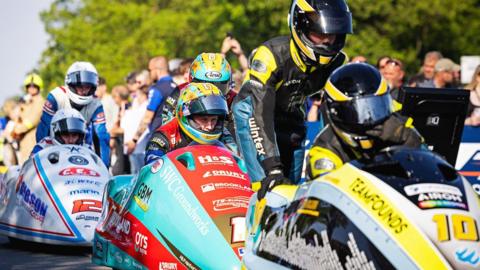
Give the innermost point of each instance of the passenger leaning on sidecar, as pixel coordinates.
(360, 120)
(67, 127)
(200, 114)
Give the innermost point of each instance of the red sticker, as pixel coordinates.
(86, 205)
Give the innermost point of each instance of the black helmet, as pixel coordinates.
(319, 17)
(357, 100)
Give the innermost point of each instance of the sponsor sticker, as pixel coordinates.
(159, 141)
(78, 171)
(119, 223)
(82, 182)
(230, 203)
(142, 198)
(290, 82)
(224, 173)
(32, 203)
(84, 191)
(378, 205)
(468, 256)
(208, 187)
(87, 205)
(427, 188)
(74, 149)
(87, 218)
(215, 160)
(78, 160)
(257, 139)
(431, 195)
(157, 165)
(259, 66)
(141, 243)
(167, 266)
(214, 186)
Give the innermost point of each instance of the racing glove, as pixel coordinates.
(396, 130)
(275, 177)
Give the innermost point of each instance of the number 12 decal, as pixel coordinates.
(463, 227)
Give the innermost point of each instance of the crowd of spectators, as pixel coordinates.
(125, 108)
(125, 105)
(436, 71)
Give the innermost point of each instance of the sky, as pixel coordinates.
(23, 39)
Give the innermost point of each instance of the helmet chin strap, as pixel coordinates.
(322, 60)
(76, 106)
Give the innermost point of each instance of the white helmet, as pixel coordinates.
(68, 121)
(81, 73)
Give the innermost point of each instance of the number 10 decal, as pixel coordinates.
(463, 227)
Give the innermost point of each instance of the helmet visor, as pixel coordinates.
(329, 22)
(360, 114)
(212, 104)
(223, 86)
(70, 125)
(82, 78)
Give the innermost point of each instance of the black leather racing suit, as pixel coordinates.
(270, 107)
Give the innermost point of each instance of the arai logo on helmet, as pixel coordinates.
(213, 75)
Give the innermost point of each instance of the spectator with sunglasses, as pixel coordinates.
(394, 74)
(382, 62)
(81, 82)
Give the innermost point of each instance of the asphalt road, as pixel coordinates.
(36, 256)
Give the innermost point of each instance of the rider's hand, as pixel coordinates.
(275, 177)
(389, 131)
(395, 131)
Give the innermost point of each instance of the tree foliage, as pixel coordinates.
(407, 29)
(119, 36)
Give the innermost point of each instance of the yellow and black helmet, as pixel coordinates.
(357, 99)
(201, 99)
(319, 17)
